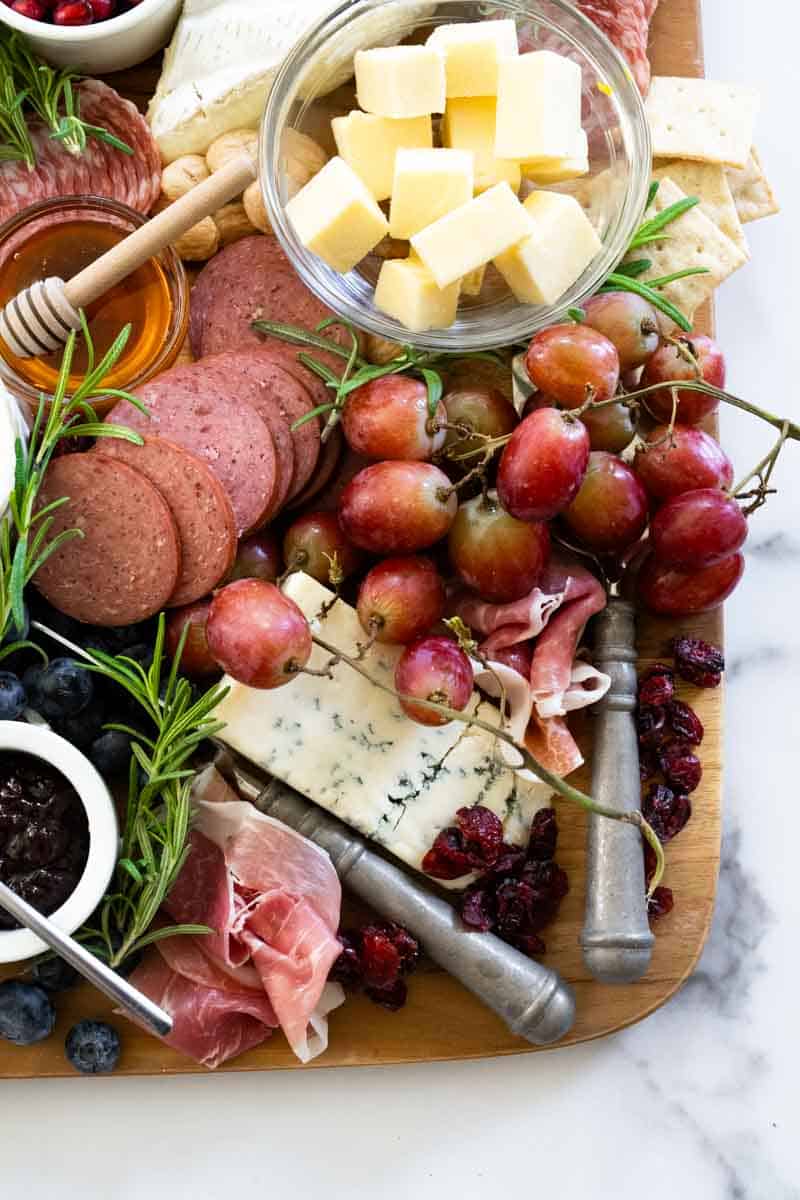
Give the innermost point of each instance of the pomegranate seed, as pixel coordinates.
(34, 10)
(103, 9)
(660, 903)
(666, 811)
(684, 722)
(73, 12)
(680, 766)
(698, 661)
(656, 686)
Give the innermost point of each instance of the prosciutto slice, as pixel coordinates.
(273, 900)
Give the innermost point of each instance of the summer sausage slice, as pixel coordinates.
(329, 458)
(196, 410)
(126, 565)
(198, 502)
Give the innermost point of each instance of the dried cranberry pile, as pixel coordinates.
(669, 730)
(374, 959)
(44, 835)
(71, 12)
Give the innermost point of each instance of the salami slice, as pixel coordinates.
(191, 407)
(126, 565)
(330, 455)
(199, 505)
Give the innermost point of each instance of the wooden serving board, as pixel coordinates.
(442, 1020)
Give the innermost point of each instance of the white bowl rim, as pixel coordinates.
(42, 742)
(81, 33)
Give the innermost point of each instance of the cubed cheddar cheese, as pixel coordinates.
(400, 81)
(472, 284)
(538, 106)
(369, 144)
(336, 216)
(427, 184)
(556, 170)
(472, 235)
(472, 51)
(542, 267)
(407, 291)
(469, 124)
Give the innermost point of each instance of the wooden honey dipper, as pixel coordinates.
(41, 318)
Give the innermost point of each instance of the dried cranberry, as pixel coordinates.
(447, 857)
(549, 881)
(684, 722)
(515, 902)
(666, 811)
(656, 686)
(650, 862)
(660, 903)
(530, 944)
(482, 831)
(478, 908)
(405, 944)
(347, 968)
(544, 835)
(648, 763)
(651, 726)
(392, 997)
(380, 958)
(510, 861)
(680, 766)
(697, 661)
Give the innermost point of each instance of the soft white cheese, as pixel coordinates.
(350, 748)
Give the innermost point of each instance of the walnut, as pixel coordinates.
(301, 158)
(254, 207)
(231, 145)
(182, 175)
(199, 243)
(233, 223)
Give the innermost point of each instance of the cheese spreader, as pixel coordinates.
(40, 319)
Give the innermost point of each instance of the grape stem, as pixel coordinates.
(529, 762)
(762, 472)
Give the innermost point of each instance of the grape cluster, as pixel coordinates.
(71, 12)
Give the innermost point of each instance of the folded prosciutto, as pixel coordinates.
(273, 900)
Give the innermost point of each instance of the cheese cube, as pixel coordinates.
(472, 284)
(427, 184)
(472, 51)
(407, 291)
(538, 106)
(336, 216)
(556, 170)
(541, 268)
(369, 144)
(400, 81)
(469, 124)
(472, 235)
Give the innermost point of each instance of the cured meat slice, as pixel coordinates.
(199, 504)
(329, 459)
(125, 566)
(101, 170)
(250, 280)
(273, 900)
(626, 23)
(188, 406)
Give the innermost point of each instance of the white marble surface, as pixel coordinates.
(699, 1102)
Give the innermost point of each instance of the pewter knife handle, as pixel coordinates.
(532, 999)
(616, 938)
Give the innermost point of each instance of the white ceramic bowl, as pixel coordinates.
(18, 944)
(107, 46)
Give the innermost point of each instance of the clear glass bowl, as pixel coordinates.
(315, 84)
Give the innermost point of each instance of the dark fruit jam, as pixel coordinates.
(44, 834)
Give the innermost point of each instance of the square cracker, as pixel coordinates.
(693, 240)
(701, 119)
(709, 182)
(752, 194)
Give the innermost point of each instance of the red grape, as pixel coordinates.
(609, 512)
(103, 9)
(498, 556)
(535, 401)
(397, 507)
(543, 465)
(433, 668)
(697, 529)
(34, 10)
(565, 360)
(610, 428)
(258, 557)
(667, 364)
(672, 593)
(483, 409)
(682, 460)
(518, 657)
(400, 599)
(196, 659)
(628, 321)
(73, 12)
(389, 418)
(256, 634)
(311, 541)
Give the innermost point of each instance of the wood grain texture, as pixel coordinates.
(441, 1020)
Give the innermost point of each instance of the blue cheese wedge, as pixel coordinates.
(350, 748)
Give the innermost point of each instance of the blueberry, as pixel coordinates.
(26, 1014)
(65, 688)
(93, 1047)
(86, 726)
(13, 699)
(54, 974)
(111, 752)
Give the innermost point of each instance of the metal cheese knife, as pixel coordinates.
(533, 1001)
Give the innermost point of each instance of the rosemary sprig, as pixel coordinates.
(24, 544)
